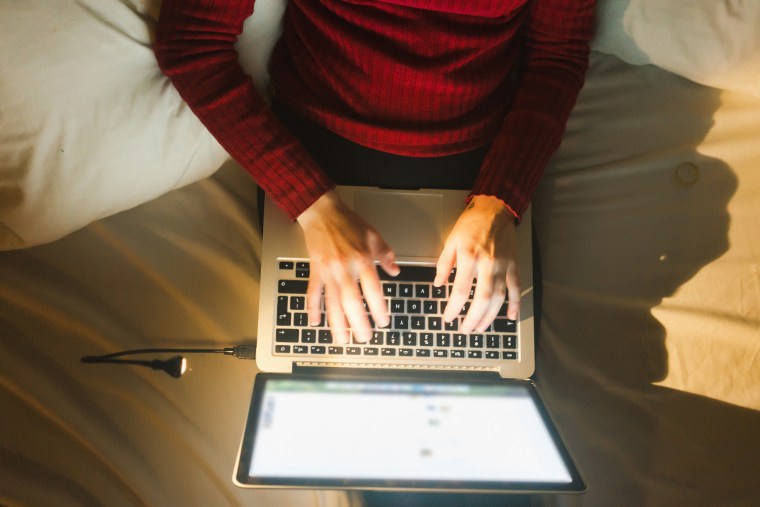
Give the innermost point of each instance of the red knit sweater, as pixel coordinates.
(411, 77)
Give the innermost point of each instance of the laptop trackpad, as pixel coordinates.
(411, 223)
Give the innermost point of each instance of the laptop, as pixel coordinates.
(405, 410)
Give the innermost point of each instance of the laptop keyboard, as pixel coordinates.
(417, 329)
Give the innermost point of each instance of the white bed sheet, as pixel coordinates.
(647, 220)
(647, 356)
(178, 271)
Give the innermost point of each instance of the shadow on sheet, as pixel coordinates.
(629, 211)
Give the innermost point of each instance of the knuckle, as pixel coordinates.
(460, 292)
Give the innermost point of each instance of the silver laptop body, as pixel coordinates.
(415, 223)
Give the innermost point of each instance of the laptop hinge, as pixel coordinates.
(394, 371)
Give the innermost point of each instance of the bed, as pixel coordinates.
(124, 226)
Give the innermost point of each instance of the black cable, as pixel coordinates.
(238, 351)
(175, 366)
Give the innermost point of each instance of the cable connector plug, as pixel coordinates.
(241, 351)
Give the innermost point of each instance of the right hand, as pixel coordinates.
(343, 248)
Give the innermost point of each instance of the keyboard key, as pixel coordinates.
(426, 339)
(505, 326)
(405, 352)
(406, 290)
(475, 354)
(297, 303)
(284, 265)
(492, 354)
(509, 342)
(377, 338)
(389, 290)
(309, 336)
(393, 338)
(317, 349)
(440, 353)
(335, 350)
(422, 352)
(302, 265)
(430, 307)
(300, 349)
(292, 286)
(421, 290)
(509, 355)
(284, 319)
(414, 306)
(476, 341)
(301, 319)
(457, 353)
(434, 323)
(353, 351)
(388, 351)
(452, 326)
(418, 322)
(460, 340)
(282, 304)
(410, 273)
(325, 336)
(397, 306)
(286, 336)
(443, 340)
(439, 292)
(282, 349)
(370, 351)
(493, 341)
(409, 338)
(401, 322)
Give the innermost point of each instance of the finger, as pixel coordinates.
(314, 299)
(481, 300)
(373, 294)
(445, 265)
(460, 290)
(384, 254)
(497, 299)
(336, 319)
(514, 292)
(351, 304)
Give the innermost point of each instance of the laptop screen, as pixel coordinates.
(401, 433)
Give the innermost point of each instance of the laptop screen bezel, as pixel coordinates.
(242, 478)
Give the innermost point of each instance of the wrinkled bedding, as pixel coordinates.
(648, 354)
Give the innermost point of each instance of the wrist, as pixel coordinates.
(326, 203)
(493, 205)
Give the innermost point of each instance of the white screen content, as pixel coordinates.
(403, 431)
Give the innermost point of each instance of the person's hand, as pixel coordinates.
(342, 249)
(481, 245)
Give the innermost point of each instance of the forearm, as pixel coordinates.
(556, 61)
(195, 48)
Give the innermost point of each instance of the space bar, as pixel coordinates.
(410, 274)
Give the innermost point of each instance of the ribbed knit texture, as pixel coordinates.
(417, 78)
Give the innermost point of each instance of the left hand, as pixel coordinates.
(481, 245)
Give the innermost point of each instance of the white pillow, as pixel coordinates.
(88, 124)
(712, 42)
